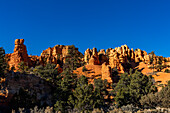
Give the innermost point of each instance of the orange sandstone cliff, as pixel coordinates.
(19, 54)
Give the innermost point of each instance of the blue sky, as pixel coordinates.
(103, 24)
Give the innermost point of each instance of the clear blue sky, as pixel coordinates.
(103, 24)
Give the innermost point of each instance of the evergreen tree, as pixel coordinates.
(131, 88)
(83, 94)
(22, 68)
(100, 91)
(49, 72)
(140, 85)
(122, 91)
(158, 99)
(68, 82)
(23, 99)
(160, 66)
(151, 56)
(3, 64)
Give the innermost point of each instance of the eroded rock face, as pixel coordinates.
(120, 57)
(106, 72)
(19, 55)
(57, 54)
(92, 57)
(87, 55)
(168, 59)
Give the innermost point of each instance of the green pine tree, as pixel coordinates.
(100, 91)
(122, 91)
(84, 95)
(131, 88)
(22, 67)
(68, 83)
(3, 64)
(23, 99)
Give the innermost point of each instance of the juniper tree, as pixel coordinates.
(151, 56)
(100, 90)
(122, 91)
(22, 67)
(69, 79)
(3, 64)
(158, 99)
(131, 88)
(23, 99)
(49, 72)
(83, 95)
(140, 85)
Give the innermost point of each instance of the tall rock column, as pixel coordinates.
(19, 55)
(106, 72)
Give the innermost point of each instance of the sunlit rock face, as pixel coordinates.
(19, 54)
(120, 57)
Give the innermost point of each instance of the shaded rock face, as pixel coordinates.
(3, 92)
(20, 54)
(34, 84)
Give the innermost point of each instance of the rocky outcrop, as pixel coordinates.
(168, 59)
(92, 57)
(121, 58)
(57, 54)
(106, 72)
(19, 55)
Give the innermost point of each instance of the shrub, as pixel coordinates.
(151, 67)
(159, 99)
(84, 69)
(129, 108)
(167, 71)
(131, 88)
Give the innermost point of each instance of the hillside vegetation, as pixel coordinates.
(62, 79)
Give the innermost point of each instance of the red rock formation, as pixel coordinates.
(120, 57)
(87, 55)
(106, 72)
(20, 54)
(93, 57)
(57, 54)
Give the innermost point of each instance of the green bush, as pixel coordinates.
(84, 69)
(167, 71)
(159, 99)
(131, 88)
(3, 64)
